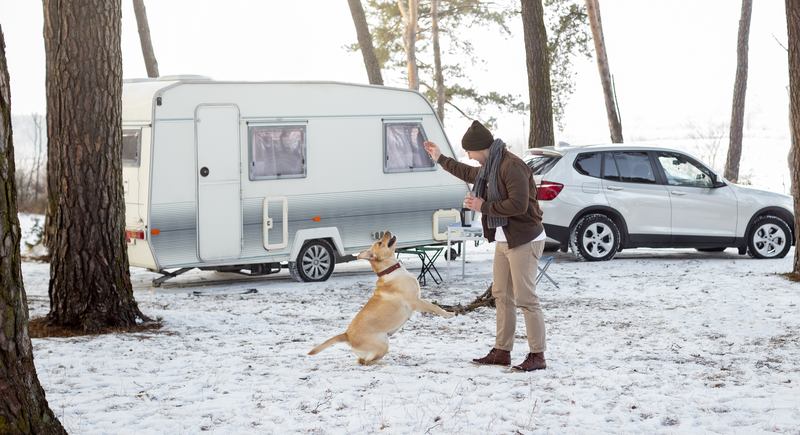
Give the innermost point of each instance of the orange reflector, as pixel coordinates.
(155, 231)
(316, 219)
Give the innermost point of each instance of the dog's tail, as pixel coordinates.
(333, 340)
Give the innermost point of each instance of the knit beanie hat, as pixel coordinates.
(477, 137)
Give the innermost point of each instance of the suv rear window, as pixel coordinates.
(588, 164)
(540, 164)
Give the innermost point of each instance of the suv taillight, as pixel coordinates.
(548, 190)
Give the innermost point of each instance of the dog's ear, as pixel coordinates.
(392, 241)
(366, 255)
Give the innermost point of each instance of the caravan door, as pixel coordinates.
(219, 208)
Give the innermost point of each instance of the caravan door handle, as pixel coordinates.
(204, 171)
(678, 193)
(614, 188)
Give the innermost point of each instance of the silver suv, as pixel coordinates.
(600, 199)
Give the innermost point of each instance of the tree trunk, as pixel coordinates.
(90, 286)
(437, 60)
(793, 30)
(52, 168)
(37, 167)
(365, 43)
(596, 24)
(538, 74)
(739, 90)
(144, 37)
(410, 18)
(23, 408)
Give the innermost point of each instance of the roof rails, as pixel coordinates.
(541, 151)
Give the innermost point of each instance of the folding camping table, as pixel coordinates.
(458, 234)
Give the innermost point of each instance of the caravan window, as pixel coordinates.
(402, 148)
(131, 146)
(277, 151)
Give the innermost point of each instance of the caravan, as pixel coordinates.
(250, 177)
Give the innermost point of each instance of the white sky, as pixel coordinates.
(673, 60)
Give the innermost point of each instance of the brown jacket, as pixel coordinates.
(520, 206)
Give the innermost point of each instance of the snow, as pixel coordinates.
(32, 226)
(654, 341)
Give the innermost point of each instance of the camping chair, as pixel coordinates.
(544, 264)
(427, 255)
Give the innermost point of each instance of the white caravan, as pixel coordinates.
(243, 177)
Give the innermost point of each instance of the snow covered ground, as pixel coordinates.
(654, 341)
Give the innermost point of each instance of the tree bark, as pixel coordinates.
(90, 287)
(739, 90)
(23, 408)
(437, 60)
(144, 37)
(793, 31)
(596, 24)
(410, 15)
(541, 133)
(365, 43)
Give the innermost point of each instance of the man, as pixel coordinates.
(505, 194)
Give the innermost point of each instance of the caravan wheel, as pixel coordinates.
(315, 262)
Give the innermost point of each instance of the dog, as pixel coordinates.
(396, 297)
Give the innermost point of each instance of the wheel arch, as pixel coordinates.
(779, 212)
(330, 235)
(611, 213)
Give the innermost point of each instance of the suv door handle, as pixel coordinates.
(614, 188)
(678, 193)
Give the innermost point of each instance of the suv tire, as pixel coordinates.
(769, 237)
(315, 262)
(596, 238)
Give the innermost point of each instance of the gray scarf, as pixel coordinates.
(490, 172)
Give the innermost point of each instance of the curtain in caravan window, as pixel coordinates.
(403, 148)
(277, 152)
(131, 141)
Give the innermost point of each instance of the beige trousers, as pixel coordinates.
(515, 287)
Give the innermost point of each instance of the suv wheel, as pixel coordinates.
(770, 237)
(596, 238)
(315, 262)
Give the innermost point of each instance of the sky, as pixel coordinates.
(673, 61)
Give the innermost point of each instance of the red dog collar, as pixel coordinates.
(390, 269)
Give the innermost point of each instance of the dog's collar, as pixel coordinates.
(391, 269)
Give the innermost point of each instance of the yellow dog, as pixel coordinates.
(396, 297)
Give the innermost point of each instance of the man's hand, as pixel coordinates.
(432, 150)
(473, 202)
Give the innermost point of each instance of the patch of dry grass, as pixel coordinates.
(792, 276)
(40, 328)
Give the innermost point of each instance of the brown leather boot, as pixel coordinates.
(496, 357)
(534, 361)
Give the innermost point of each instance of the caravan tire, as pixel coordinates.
(315, 262)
